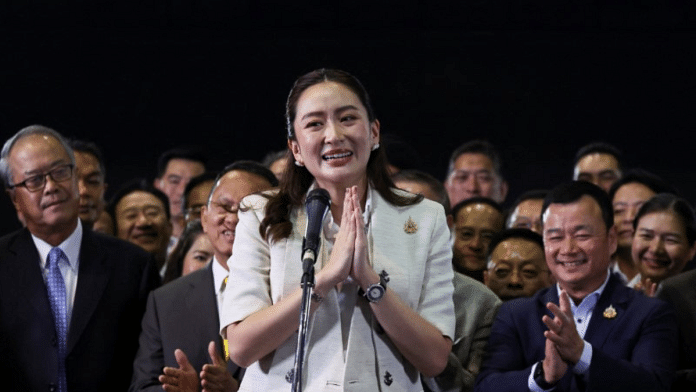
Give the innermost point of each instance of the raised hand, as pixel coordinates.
(562, 331)
(183, 379)
(342, 254)
(215, 377)
(362, 270)
(554, 366)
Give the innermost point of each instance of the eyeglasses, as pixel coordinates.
(37, 182)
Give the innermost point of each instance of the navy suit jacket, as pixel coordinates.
(634, 351)
(181, 314)
(114, 278)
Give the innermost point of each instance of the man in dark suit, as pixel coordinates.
(181, 339)
(70, 299)
(589, 332)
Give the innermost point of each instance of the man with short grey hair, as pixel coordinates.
(70, 299)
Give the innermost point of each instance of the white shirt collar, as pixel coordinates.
(71, 247)
(219, 274)
(597, 293)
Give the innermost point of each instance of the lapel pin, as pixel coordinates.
(610, 312)
(410, 227)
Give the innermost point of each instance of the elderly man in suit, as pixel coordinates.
(70, 299)
(589, 332)
(180, 339)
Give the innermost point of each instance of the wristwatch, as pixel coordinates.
(539, 377)
(376, 291)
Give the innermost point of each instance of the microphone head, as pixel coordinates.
(318, 195)
(317, 203)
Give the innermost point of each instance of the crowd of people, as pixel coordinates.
(191, 281)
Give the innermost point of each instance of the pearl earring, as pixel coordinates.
(298, 164)
(376, 146)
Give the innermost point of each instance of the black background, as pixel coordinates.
(538, 79)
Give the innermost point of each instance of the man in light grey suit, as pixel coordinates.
(475, 305)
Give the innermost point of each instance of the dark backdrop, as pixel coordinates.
(538, 79)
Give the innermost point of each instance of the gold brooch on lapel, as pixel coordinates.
(410, 226)
(609, 313)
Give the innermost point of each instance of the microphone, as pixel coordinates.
(317, 204)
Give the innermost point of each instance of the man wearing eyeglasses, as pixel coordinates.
(70, 299)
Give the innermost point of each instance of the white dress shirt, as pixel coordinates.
(71, 248)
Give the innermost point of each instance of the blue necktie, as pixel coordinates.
(57, 296)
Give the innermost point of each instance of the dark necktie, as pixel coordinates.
(57, 296)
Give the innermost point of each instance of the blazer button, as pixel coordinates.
(290, 376)
(388, 379)
(52, 387)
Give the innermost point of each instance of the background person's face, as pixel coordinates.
(142, 220)
(475, 225)
(660, 247)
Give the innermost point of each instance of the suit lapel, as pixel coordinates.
(600, 326)
(27, 277)
(202, 295)
(92, 278)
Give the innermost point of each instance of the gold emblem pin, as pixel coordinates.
(609, 312)
(410, 226)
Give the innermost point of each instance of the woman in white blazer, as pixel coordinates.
(374, 237)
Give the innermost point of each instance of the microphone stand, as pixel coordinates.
(307, 284)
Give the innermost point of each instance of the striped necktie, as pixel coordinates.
(58, 298)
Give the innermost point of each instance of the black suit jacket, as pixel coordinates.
(114, 278)
(181, 314)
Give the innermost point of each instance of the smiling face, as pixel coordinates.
(475, 226)
(219, 217)
(627, 201)
(53, 209)
(660, 247)
(142, 220)
(91, 186)
(578, 246)
(333, 135)
(198, 255)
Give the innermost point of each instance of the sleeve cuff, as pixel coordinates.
(533, 386)
(583, 365)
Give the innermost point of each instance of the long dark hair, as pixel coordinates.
(277, 225)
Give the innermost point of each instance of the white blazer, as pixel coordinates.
(410, 243)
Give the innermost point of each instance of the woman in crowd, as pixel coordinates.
(373, 237)
(193, 251)
(627, 194)
(664, 239)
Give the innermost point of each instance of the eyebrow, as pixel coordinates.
(321, 112)
(51, 166)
